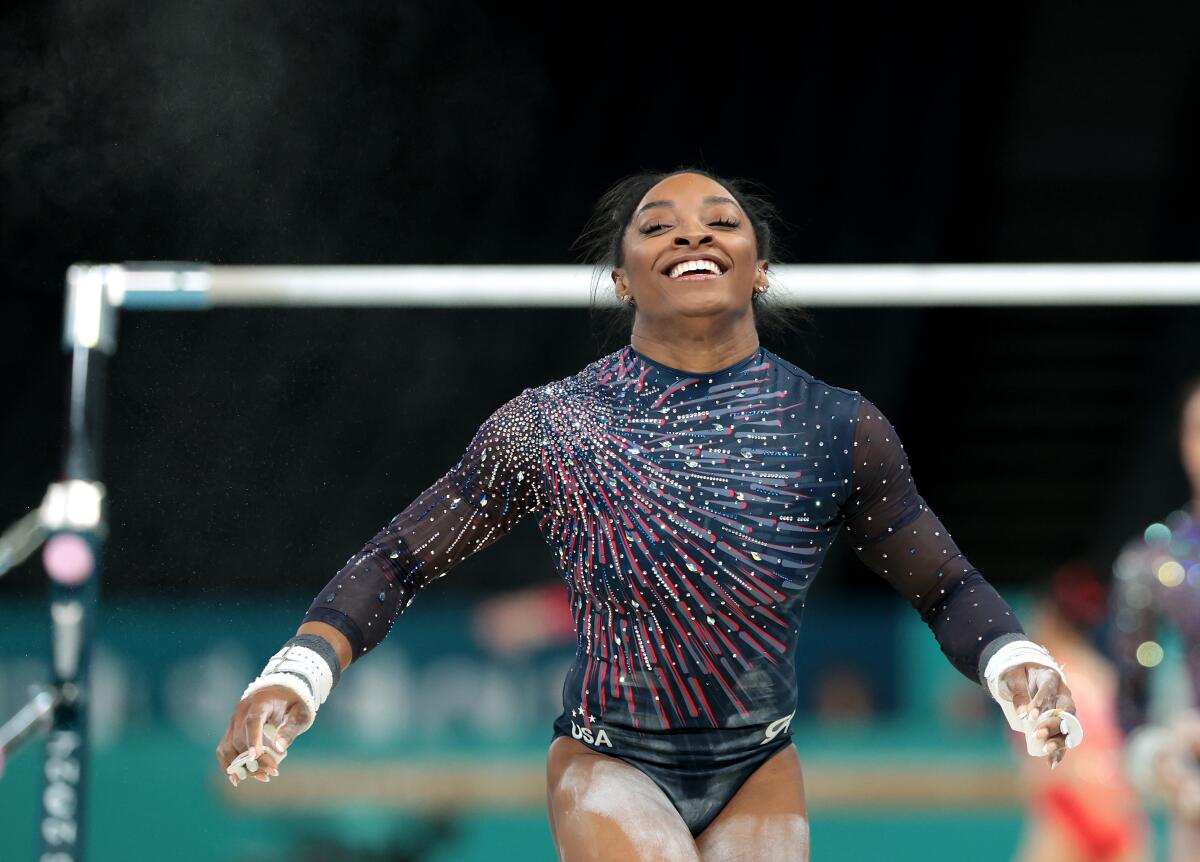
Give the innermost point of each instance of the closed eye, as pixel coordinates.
(721, 222)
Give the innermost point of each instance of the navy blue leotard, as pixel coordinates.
(688, 514)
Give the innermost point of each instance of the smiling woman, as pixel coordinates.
(737, 208)
(689, 486)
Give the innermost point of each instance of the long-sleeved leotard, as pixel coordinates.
(688, 515)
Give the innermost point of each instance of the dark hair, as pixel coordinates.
(602, 243)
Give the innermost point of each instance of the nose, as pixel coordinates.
(696, 237)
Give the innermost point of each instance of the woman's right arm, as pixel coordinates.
(492, 487)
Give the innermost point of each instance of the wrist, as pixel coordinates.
(992, 648)
(1014, 653)
(307, 666)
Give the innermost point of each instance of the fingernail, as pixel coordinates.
(232, 780)
(280, 744)
(1053, 763)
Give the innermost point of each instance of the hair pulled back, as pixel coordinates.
(601, 243)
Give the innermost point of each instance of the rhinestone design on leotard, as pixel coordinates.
(687, 514)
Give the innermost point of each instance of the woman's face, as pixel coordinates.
(689, 251)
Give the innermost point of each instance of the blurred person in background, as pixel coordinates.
(1087, 810)
(1158, 583)
(688, 485)
(843, 696)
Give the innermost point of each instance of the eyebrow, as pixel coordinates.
(711, 199)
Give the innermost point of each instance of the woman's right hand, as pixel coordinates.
(275, 705)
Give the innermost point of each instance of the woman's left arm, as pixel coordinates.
(899, 538)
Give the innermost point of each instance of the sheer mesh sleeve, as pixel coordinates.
(897, 536)
(492, 487)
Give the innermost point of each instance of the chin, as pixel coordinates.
(704, 306)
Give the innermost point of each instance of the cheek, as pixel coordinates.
(639, 258)
(745, 250)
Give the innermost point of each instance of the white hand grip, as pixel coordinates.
(1069, 726)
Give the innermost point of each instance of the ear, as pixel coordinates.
(618, 277)
(762, 265)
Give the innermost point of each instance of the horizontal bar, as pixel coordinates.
(148, 286)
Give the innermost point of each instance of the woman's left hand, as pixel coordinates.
(1040, 694)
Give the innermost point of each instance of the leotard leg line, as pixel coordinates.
(698, 770)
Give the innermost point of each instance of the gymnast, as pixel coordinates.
(1158, 582)
(688, 486)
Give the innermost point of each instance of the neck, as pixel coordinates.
(697, 345)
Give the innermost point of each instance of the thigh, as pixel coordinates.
(766, 820)
(602, 809)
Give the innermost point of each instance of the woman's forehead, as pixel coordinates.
(682, 186)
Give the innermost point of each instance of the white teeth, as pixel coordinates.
(694, 266)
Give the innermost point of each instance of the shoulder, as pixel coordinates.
(836, 400)
(803, 378)
(584, 381)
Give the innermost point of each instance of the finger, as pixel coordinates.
(242, 764)
(224, 755)
(264, 762)
(1049, 723)
(1043, 689)
(225, 751)
(1064, 701)
(1055, 732)
(295, 718)
(1015, 685)
(255, 719)
(226, 748)
(1057, 757)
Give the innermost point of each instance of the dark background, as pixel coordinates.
(254, 450)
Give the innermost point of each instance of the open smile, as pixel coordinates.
(696, 269)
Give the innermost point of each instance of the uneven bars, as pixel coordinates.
(182, 286)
